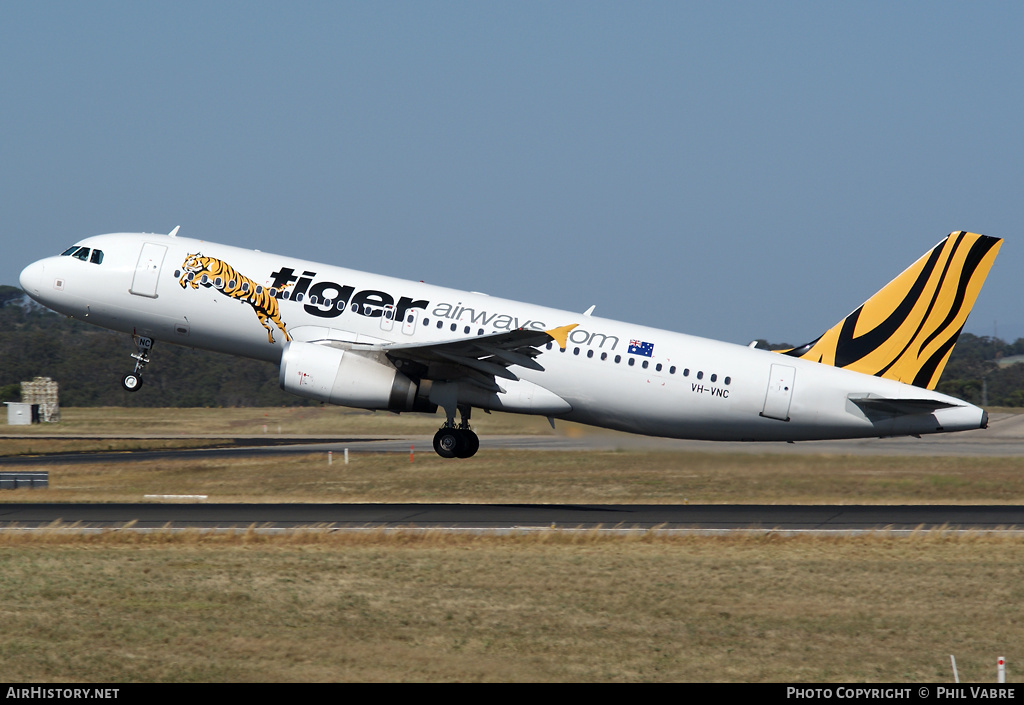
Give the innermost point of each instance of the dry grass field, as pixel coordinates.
(548, 607)
(192, 607)
(319, 421)
(512, 477)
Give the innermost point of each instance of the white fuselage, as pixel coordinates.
(611, 374)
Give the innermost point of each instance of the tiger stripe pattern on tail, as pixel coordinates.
(907, 330)
(199, 270)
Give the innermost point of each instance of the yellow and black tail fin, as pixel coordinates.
(907, 330)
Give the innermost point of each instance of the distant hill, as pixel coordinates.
(89, 362)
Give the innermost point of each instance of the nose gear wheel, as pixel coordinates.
(132, 381)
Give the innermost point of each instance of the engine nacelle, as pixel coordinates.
(348, 378)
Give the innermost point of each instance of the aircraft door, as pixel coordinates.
(387, 317)
(780, 393)
(147, 271)
(409, 324)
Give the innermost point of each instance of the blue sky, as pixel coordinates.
(730, 169)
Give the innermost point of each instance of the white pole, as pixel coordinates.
(346, 456)
(1001, 670)
(956, 676)
(330, 457)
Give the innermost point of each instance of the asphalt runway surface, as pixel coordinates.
(508, 518)
(1004, 437)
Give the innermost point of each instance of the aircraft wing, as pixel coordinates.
(479, 360)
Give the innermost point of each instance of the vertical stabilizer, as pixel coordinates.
(907, 330)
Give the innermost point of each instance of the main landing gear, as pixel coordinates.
(133, 380)
(453, 441)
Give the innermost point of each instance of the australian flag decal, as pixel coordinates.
(639, 347)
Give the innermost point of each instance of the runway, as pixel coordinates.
(1005, 437)
(511, 518)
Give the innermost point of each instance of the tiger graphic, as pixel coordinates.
(199, 270)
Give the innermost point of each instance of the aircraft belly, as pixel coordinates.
(815, 407)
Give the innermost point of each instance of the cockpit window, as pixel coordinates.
(83, 253)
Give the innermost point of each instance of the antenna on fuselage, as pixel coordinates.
(174, 233)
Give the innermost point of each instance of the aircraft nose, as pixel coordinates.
(32, 278)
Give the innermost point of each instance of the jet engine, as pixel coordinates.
(348, 378)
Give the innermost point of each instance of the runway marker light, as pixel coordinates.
(411, 448)
(175, 496)
(346, 456)
(330, 458)
(1001, 670)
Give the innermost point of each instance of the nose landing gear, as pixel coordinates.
(133, 380)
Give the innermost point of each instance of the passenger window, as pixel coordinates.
(632, 361)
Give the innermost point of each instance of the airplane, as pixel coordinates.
(367, 341)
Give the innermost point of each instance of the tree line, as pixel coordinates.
(89, 362)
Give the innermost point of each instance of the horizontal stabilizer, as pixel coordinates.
(900, 407)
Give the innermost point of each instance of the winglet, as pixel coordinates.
(561, 335)
(907, 330)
